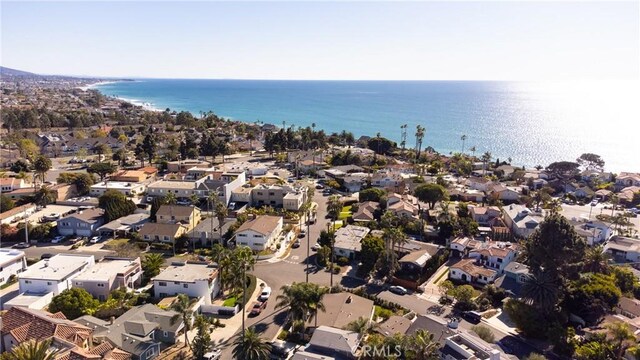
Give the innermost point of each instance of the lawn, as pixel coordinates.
(230, 302)
(345, 213)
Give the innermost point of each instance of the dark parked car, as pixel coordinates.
(296, 244)
(45, 256)
(472, 316)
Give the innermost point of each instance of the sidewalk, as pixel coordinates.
(431, 291)
(233, 324)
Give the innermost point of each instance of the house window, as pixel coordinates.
(166, 237)
(499, 260)
(165, 333)
(151, 352)
(27, 281)
(100, 285)
(257, 236)
(176, 283)
(162, 283)
(186, 286)
(49, 283)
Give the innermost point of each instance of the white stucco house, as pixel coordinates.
(259, 233)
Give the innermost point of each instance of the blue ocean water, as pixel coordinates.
(532, 123)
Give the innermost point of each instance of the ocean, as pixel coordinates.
(533, 123)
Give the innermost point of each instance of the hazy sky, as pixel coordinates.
(331, 40)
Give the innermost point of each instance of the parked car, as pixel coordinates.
(326, 192)
(57, 239)
(319, 187)
(594, 202)
(51, 217)
(302, 234)
(213, 355)
(46, 256)
(264, 295)
(316, 247)
(472, 316)
(74, 240)
(399, 290)
(296, 244)
(257, 307)
(95, 239)
(22, 245)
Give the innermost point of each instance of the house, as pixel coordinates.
(82, 223)
(414, 261)
(12, 263)
(125, 188)
(494, 255)
(124, 225)
(167, 233)
(348, 239)
(460, 246)
(197, 280)
(17, 213)
(388, 180)
(182, 166)
(515, 275)
(130, 176)
(403, 205)
(584, 192)
(70, 338)
(285, 196)
(189, 216)
(479, 183)
(468, 270)
(259, 233)
(628, 307)
(55, 274)
(308, 166)
(332, 342)
(484, 214)
(366, 211)
(623, 249)
(110, 274)
(521, 220)
(209, 230)
(142, 331)
(504, 193)
(393, 325)
(626, 179)
(10, 184)
(466, 346)
(352, 183)
(341, 309)
(591, 235)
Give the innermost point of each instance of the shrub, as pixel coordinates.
(382, 312)
(343, 261)
(283, 335)
(336, 269)
(484, 333)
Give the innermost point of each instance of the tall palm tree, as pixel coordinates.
(170, 199)
(44, 196)
(151, 264)
(615, 200)
(211, 200)
(622, 337)
(595, 260)
(463, 138)
(41, 165)
(421, 346)
(249, 346)
(315, 304)
(251, 137)
(244, 260)
(221, 213)
(473, 150)
(486, 158)
(182, 306)
(221, 256)
(293, 298)
(419, 136)
(33, 350)
(541, 289)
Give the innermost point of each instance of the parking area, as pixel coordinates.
(60, 210)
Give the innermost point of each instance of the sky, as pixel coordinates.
(506, 40)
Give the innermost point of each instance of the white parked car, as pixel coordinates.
(57, 239)
(213, 355)
(95, 239)
(316, 247)
(264, 295)
(399, 290)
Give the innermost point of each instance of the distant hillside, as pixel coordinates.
(13, 72)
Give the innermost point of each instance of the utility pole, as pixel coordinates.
(331, 256)
(308, 242)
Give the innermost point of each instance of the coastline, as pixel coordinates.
(93, 85)
(135, 102)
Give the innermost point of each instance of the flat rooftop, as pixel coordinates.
(115, 185)
(173, 184)
(10, 255)
(187, 273)
(57, 267)
(107, 269)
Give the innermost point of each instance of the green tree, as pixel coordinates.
(380, 145)
(421, 346)
(33, 350)
(182, 306)
(221, 213)
(372, 249)
(102, 169)
(431, 194)
(541, 289)
(360, 325)
(20, 165)
(596, 260)
(464, 296)
(529, 320)
(420, 130)
(591, 161)
(621, 336)
(82, 181)
(151, 264)
(592, 296)
(44, 196)
(221, 256)
(625, 279)
(116, 205)
(249, 346)
(42, 165)
(371, 194)
(334, 207)
(535, 356)
(201, 342)
(6, 203)
(28, 148)
(445, 287)
(302, 299)
(73, 303)
(555, 247)
(594, 350)
(120, 157)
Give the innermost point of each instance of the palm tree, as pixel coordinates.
(595, 260)
(151, 264)
(221, 213)
(170, 198)
(622, 337)
(221, 256)
(486, 158)
(41, 165)
(243, 260)
(251, 137)
(360, 325)
(419, 136)
(615, 200)
(421, 346)
(473, 150)
(463, 138)
(334, 207)
(33, 350)
(182, 306)
(315, 304)
(292, 297)
(44, 196)
(541, 289)
(249, 346)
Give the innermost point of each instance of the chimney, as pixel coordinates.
(349, 299)
(111, 320)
